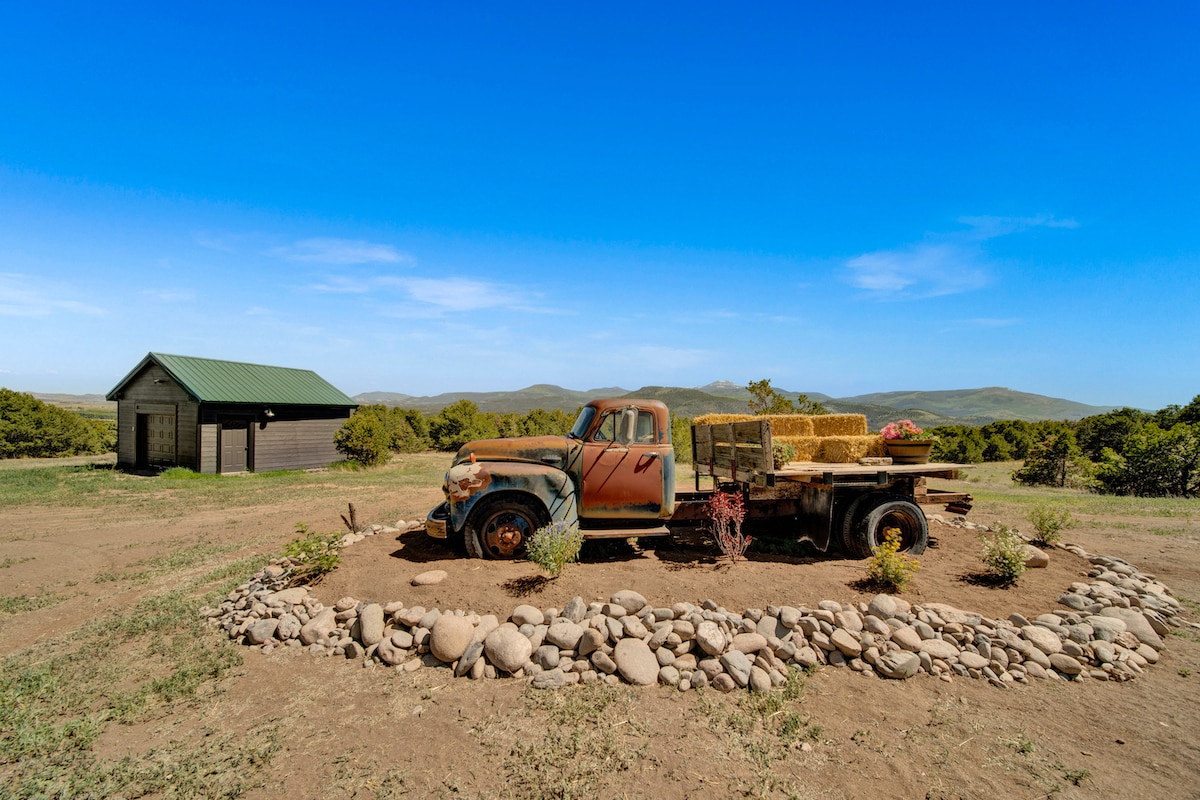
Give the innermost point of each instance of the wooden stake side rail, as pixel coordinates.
(739, 451)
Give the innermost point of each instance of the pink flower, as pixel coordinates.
(904, 429)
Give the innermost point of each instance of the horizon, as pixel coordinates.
(453, 198)
(701, 387)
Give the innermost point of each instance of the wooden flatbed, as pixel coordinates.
(850, 505)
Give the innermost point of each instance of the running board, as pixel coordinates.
(624, 533)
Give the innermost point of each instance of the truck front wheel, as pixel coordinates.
(867, 521)
(499, 529)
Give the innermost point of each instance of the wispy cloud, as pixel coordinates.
(456, 294)
(342, 252)
(989, 227)
(21, 296)
(924, 270)
(949, 263)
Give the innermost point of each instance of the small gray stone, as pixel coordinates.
(636, 662)
(1065, 664)
(750, 642)
(467, 661)
(449, 637)
(603, 662)
(710, 638)
(723, 683)
(430, 578)
(630, 600)
(737, 664)
(939, 648)
(564, 634)
(527, 614)
(319, 627)
(550, 679)
(845, 642)
(370, 621)
(760, 680)
(507, 649)
(1042, 638)
(898, 664)
(261, 631)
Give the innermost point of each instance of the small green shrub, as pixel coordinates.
(314, 554)
(782, 453)
(1004, 554)
(889, 568)
(1050, 523)
(554, 546)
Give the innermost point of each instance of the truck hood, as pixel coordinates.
(549, 450)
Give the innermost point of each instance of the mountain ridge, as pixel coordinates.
(926, 408)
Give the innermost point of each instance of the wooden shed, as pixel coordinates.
(224, 416)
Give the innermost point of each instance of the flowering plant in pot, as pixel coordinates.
(905, 443)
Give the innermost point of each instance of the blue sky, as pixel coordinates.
(423, 198)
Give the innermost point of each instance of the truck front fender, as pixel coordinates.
(468, 482)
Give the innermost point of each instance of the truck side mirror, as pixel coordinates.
(627, 430)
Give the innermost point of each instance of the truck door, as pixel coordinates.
(623, 474)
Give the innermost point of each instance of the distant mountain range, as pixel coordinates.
(956, 407)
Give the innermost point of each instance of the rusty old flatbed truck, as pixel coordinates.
(614, 475)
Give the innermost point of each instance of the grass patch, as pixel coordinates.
(21, 603)
(120, 668)
(591, 737)
(177, 559)
(125, 495)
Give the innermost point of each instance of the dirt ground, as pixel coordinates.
(349, 731)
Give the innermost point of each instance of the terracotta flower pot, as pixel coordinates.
(909, 451)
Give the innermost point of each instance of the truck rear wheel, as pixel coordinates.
(499, 529)
(868, 518)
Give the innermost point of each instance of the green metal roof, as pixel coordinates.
(213, 381)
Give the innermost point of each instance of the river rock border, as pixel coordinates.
(1111, 628)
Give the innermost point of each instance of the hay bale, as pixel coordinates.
(839, 425)
(790, 425)
(848, 449)
(720, 419)
(806, 447)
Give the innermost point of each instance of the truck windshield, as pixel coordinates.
(582, 422)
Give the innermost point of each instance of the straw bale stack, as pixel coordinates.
(848, 449)
(720, 419)
(828, 438)
(839, 425)
(807, 447)
(791, 425)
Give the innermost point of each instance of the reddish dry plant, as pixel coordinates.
(725, 514)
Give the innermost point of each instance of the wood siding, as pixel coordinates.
(154, 392)
(295, 444)
(208, 448)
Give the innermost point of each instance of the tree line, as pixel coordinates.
(1126, 451)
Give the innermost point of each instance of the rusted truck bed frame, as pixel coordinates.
(829, 501)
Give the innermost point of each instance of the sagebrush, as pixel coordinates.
(1004, 553)
(1050, 522)
(554, 546)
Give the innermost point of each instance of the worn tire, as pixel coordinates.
(868, 516)
(498, 529)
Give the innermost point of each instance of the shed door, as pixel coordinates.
(159, 443)
(234, 440)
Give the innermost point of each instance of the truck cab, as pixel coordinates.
(613, 474)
